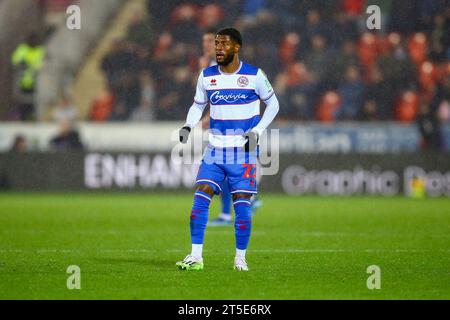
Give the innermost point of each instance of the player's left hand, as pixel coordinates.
(251, 142)
(184, 134)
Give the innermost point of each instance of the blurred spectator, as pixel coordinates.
(404, 16)
(185, 29)
(65, 110)
(160, 11)
(300, 100)
(441, 100)
(318, 59)
(440, 38)
(310, 50)
(368, 49)
(430, 128)
(369, 111)
(444, 111)
(174, 101)
(67, 138)
(102, 107)
(300, 92)
(428, 76)
(407, 106)
(120, 111)
(425, 12)
(314, 26)
(127, 97)
(284, 9)
(208, 57)
(141, 31)
(145, 111)
(121, 60)
(381, 93)
(341, 60)
(343, 28)
(418, 47)
(351, 90)
(289, 48)
(27, 61)
(264, 28)
(210, 17)
(252, 7)
(328, 106)
(20, 144)
(396, 66)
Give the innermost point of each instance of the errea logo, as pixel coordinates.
(213, 82)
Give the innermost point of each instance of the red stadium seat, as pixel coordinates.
(328, 105)
(353, 7)
(407, 106)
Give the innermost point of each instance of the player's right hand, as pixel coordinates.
(184, 134)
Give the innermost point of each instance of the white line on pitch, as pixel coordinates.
(287, 250)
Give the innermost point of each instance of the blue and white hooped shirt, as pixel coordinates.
(234, 100)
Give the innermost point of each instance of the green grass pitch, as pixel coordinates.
(126, 246)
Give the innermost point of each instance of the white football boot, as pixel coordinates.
(240, 264)
(190, 263)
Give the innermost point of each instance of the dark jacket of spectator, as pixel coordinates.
(67, 139)
(430, 129)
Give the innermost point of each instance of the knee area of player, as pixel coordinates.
(242, 196)
(206, 189)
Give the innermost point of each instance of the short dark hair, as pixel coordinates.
(232, 33)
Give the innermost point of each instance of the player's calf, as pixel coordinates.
(243, 226)
(198, 222)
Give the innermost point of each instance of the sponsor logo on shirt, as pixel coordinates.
(228, 98)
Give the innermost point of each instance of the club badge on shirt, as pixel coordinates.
(242, 81)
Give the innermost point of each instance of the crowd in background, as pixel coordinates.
(319, 55)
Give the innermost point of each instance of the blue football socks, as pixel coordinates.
(199, 216)
(243, 222)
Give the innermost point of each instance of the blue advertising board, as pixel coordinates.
(345, 138)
